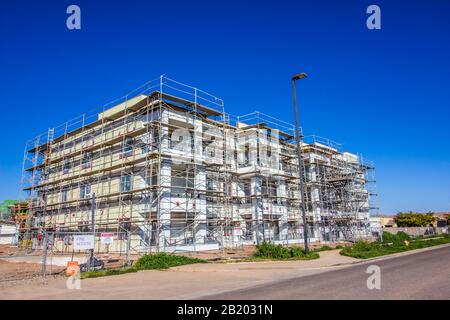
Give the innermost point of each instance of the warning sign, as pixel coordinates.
(72, 268)
(107, 238)
(83, 242)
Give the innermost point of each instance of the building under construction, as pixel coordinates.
(166, 166)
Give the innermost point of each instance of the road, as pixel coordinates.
(422, 275)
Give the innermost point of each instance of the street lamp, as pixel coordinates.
(299, 159)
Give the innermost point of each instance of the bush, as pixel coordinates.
(164, 261)
(362, 246)
(396, 239)
(401, 237)
(297, 252)
(388, 237)
(267, 250)
(412, 219)
(272, 251)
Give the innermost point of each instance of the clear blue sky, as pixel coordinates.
(383, 93)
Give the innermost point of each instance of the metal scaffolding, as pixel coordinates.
(170, 168)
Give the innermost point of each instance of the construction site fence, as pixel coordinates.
(51, 251)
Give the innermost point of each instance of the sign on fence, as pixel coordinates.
(83, 242)
(237, 231)
(72, 268)
(107, 238)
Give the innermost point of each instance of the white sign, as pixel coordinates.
(85, 242)
(238, 231)
(107, 238)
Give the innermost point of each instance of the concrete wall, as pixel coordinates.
(9, 234)
(416, 231)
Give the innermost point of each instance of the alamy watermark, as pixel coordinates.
(374, 20)
(374, 280)
(74, 280)
(73, 21)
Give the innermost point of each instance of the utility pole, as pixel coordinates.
(44, 254)
(300, 161)
(91, 251)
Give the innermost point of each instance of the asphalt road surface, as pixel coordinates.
(422, 275)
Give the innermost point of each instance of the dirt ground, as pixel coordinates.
(10, 271)
(21, 272)
(14, 273)
(8, 250)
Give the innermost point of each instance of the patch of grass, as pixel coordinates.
(397, 239)
(272, 251)
(160, 261)
(323, 248)
(108, 272)
(391, 244)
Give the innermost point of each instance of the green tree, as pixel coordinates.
(4, 210)
(413, 219)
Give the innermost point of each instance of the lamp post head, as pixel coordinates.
(299, 76)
